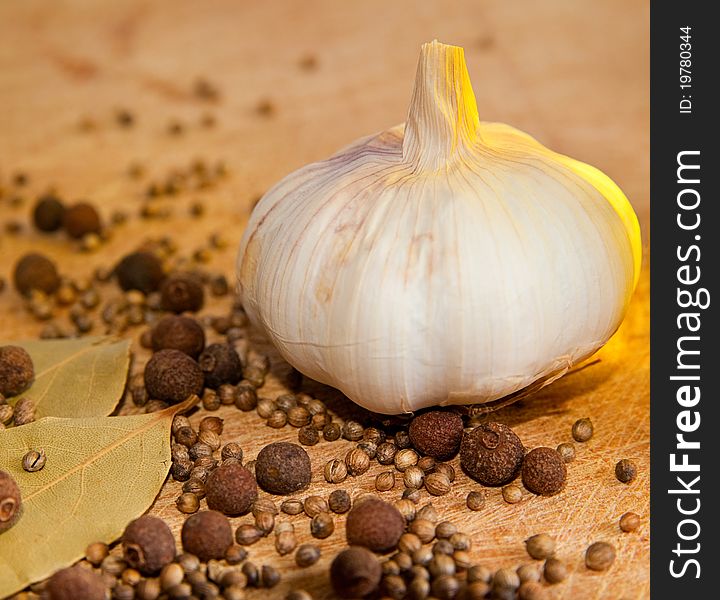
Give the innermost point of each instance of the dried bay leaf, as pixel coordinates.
(101, 473)
(82, 377)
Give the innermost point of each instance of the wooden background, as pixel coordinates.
(573, 74)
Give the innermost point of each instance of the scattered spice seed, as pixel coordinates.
(322, 525)
(314, 505)
(277, 420)
(385, 453)
(245, 396)
(308, 436)
(475, 500)
(231, 489)
(172, 376)
(532, 590)
(413, 477)
(405, 458)
(528, 573)
(445, 530)
(148, 544)
(630, 521)
(181, 292)
(34, 460)
(567, 451)
(188, 503)
(374, 524)
(292, 507)
(247, 534)
(540, 546)
(554, 570)
(339, 502)
(424, 529)
(582, 430)
(512, 494)
(232, 450)
(437, 433)
(625, 470)
(48, 213)
(10, 501)
(355, 572)
(600, 556)
(35, 272)
(178, 333)
(492, 454)
(544, 471)
(207, 534)
(385, 481)
(406, 508)
(437, 484)
(24, 411)
(283, 468)
(75, 582)
(307, 555)
(265, 522)
(81, 219)
(331, 432)
(185, 436)
(16, 370)
(140, 271)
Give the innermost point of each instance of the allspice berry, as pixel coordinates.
(283, 468)
(492, 454)
(231, 489)
(48, 213)
(544, 471)
(172, 376)
(178, 333)
(75, 583)
(182, 292)
(355, 572)
(10, 501)
(437, 433)
(600, 556)
(625, 470)
(16, 370)
(140, 271)
(374, 524)
(221, 364)
(36, 272)
(148, 544)
(207, 535)
(80, 219)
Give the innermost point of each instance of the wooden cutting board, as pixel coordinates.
(575, 75)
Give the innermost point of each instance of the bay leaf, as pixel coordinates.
(83, 377)
(101, 473)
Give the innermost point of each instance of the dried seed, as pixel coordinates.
(34, 460)
(475, 500)
(582, 430)
(423, 529)
(428, 512)
(406, 508)
(353, 431)
(269, 576)
(264, 505)
(528, 573)
(355, 572)
(186, 436)
(461, 541)
(437, 433)
(385, 453)
(409, 543)
(332, 432)
(210, 438)
(437, 484)
(357, 462)
(298, 416)
(24, 411)
(195, 487)
(625, 470)
(283, 468)
(96, 552)
(630, 521)
(148, 544)
(232, 450)
(292, 507)
(405, 458)
(512, 494)
(374, 524)
(285, 542)
(315, 505)
(600, 556)
(245, 396)
(322, 525)
(188, 503)
(445, 587)
(385, 481)
(540, 546)
(339, 501)
(532, 590)
(247, 534)
(492, 454)
(554, 570)
(413, 477)
(441, 564)
(308, 435)
(265, 407)
(445, 530)
(544, 471)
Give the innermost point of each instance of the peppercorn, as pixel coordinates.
(332, 432)
(10, 501)
(16, 370)
(148, 544)
(24, 411)
(34, 460)
(35, 272)
(172, 376)
(140, 271)
(625, 470)
(207, 535)
(283, 468)
(600, 556)
(188, 503)
(80, 219)
(554, 570)
(75, 582)
(179, 333)
(540, 546)
(492, 454)
(582, 430)
(630, 521)
(567, 451)
(221, 365)
(355, 572)
(475, 500)
(374, 524)
(437, 433)
(544, 471)
(48, 213)
(181, 292)
(339, 501)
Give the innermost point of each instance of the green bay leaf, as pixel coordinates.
(83, 377)
(101, 473)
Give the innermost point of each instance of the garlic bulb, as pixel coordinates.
(443, 261)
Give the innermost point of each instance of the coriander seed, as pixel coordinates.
(625, 470)
(285, 542)
(187, 503)
(292, 507)
(95, 553)
(437, 484)
(339, 502)
(307, 555)
(34, 460)
(186, 436)
(385, 453)
(357, 462)
(245, 396)
(540, 546)
(528, 573)
(512, 494)
(582, 430)
(413, 477)
(630, 521)
(315, 505)
(554, 570)
(405, 458)
(308, 435)
(423, 529)
(322, 525)
(600, 556)
(247, 534)
(385, 481)
(24, 411)
(265, 522)
(331, 432)
(475, 500)
(353, 431)
(532, 590)
(567, 451)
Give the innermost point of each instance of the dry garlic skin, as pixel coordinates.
(444, 261)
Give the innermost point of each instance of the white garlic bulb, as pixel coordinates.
(443, 261)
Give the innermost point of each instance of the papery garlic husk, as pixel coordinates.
(443, 261)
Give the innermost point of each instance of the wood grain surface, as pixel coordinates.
(573, 74)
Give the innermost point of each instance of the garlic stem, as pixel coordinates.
(443, 118)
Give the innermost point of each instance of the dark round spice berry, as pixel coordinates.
(492, 454)
(544, 471)
(178, 333)
(600, 556)
(283, 468)
(10, 501)
(221, 364)
(148, 544)
(80, 219)
(625, 470)
(355, 572)
(36, 272)
(75, 583)
(182, 292)
(231, 489)
(374, 524)
(48, 213)
(437, 433)
(16, 370)
(207, 535)
(140, 271)
(172, 376)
